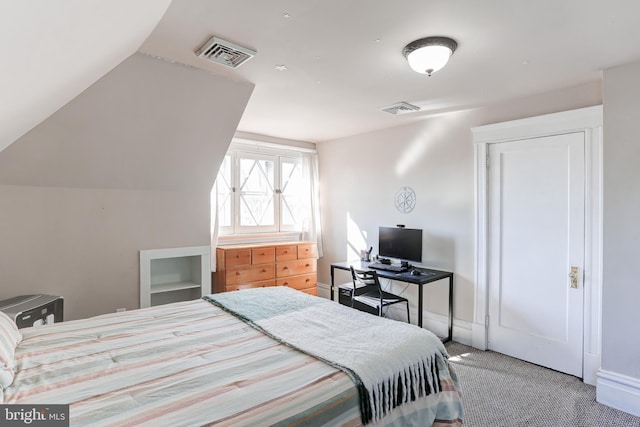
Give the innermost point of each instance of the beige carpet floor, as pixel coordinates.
(500, 391)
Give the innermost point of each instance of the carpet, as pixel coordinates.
(500, 391)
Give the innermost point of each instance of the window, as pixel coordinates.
(262, 190)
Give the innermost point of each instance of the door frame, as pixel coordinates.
(589, 121)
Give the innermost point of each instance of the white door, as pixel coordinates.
(536, 236)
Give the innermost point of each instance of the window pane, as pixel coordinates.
(292, 192)
(223, 189)
(256, 192)
(261, 192)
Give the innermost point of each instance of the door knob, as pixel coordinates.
(573, 275)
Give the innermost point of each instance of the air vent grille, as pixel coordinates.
(225, 53)
(400, 108)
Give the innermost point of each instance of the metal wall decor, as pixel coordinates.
(405, 200)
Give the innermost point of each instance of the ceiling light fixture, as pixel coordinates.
(428, 55)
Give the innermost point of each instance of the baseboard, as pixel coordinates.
(324, 290)
(590, 368)
(478, 336)
(618, 391)
(436, 323)
(439, 325)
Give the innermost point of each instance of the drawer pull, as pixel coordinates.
(307, 280)
(237, 273)
(285, 284)
(285, 268)
(264, 270)
(307, 265)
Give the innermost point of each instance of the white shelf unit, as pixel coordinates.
(174, 274)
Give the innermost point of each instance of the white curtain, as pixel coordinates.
(214, 225)
(311, 227)
(313, 230)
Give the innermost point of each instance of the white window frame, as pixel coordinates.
(224, 230)
(258, 150)
(283, 227)
(238, 228)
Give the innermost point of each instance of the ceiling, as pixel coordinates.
(344, 62)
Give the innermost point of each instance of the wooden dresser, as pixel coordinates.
(292, 264)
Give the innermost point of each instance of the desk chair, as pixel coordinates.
(367, 290)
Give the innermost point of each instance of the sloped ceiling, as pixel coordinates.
(52, 50)
(146, 125)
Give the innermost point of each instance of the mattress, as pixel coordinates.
(190, 364)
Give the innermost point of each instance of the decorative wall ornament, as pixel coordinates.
(405, 200)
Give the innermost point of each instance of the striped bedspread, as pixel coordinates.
(392, 363)
(187, 364)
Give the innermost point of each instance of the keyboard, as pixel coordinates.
(388, 267)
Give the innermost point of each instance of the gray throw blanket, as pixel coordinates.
(391, 362)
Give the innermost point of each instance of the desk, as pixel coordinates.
(427, 276)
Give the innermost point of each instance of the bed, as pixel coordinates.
(256, 357)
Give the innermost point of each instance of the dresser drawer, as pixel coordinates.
(253, 273)
(286, 253)
(259, 264)
(236, 257)
(263, 255)
(292, 268)
(259, 284)
(307, 251)
(305, 281)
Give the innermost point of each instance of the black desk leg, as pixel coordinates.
(331, 288)
(450, 337)
(420, 304)
(450, 322)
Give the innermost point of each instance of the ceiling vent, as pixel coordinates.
(225, 53)
(400, 108)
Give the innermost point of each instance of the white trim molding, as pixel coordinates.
(545, 125)
(618, 391)
(590, 367)
(439, 325)
(588, 120)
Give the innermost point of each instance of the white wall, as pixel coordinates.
(619, 382)
(360, 175)
(55, 49)
(83, 243)
(125, 166)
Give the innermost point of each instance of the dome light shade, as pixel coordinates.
(428, 55)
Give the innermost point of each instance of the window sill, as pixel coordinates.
(236, 239)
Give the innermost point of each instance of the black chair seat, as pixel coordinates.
(367, 290)
(374, 298)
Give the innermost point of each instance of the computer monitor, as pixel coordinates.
(402, 243)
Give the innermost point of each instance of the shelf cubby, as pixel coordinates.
(174, 274)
